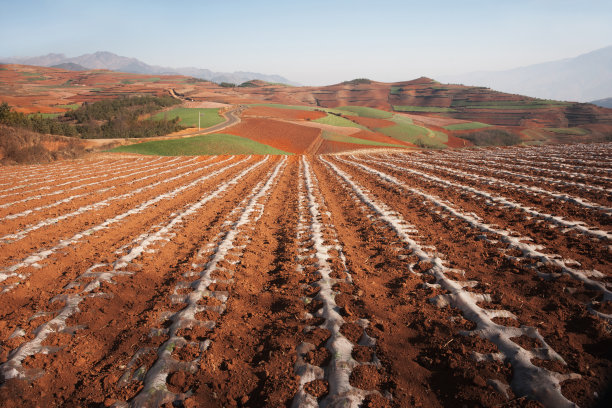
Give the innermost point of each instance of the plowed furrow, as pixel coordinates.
(491, 199)
(25, 200)
(527, 378)
(540, 259)
(20, 270)
(93, 284)
(64, 182)
(83, 203)
(322, 261)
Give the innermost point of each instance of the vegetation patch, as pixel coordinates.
(46, 115)
(23, 146)
(335, 137)
(281, 106)
(213, 144)
(72, 106)
(396, 90)
(402, 108)
(492, 137)
(509, 105)
(300, 107)
(366, 112)
(357, 81)
(107, 119)
(569, 131)
(336, 120)
(466, 126)
(406, 131)
(188, 117)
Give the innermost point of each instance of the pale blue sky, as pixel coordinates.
(313, 42)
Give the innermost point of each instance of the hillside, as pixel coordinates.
(584, 78)
(357, 114)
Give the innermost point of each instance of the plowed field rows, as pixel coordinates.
(456, 278)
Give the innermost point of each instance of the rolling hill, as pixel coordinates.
(352, 115)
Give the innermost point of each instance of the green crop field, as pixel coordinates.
(189, 116)
(281, 106)
(395, 90)
(71, 106)
(338, 121)
(365, 112)
(569, 131)
(466, 126)
(46, 115)
(216, 143)
(421, 109)
(509, 105)
(335, 137)
(406, 131)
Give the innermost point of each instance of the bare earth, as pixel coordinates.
(459, 278)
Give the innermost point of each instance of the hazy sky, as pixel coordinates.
(313, 42)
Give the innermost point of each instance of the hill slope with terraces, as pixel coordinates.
(421, 112)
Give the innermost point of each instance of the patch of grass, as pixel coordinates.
(366, 112)
(127, 81)
(213, 144)
(335, 137)
(281, 106)
(492, 137)
(396, 90)
(569, 131)
(189, 116)
(422, 109)
(46, 115)
(406, 131)
(357, 81)
(149, 79)
(335, 120)
(72, 106)
(466, 126)
(508, 105)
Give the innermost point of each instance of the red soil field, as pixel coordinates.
(282, 135)
(379, 137)
(289, 114)
(434, 279)
(454, 141)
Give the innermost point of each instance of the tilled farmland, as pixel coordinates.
(454, 278)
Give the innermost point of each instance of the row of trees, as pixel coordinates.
(35, 123)
(107, 119)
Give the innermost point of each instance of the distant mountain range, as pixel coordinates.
(585, 78)
(113, 62)
(606, 103)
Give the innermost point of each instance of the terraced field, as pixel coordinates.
(447, 278)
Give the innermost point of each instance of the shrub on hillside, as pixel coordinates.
(492, 137)
(20, 146)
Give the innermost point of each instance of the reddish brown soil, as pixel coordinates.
(421, 356)
(380, 137)
(282, 135)
(454, 141)
(290, 114)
